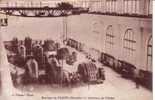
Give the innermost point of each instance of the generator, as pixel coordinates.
(88, 72)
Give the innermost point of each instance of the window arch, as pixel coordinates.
(149, 54)
(129, 45)
(109, 38)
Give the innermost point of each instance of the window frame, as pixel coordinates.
(129, 43)
(109, 42)
(149, 46)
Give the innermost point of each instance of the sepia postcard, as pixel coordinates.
(76, 49)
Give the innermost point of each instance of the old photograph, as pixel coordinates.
(76, 50)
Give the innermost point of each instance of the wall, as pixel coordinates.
(91, 30)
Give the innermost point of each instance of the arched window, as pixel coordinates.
(149, 54)
(109, 38)
(129, 45)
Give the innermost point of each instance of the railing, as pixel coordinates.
(94, 6)
(39, 9)
(28, 4)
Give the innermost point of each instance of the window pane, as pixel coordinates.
(149, 63)
(125, 6)
(149, 51)
(129, 6)
(151, 7)
(134, 6)
(137, 6)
